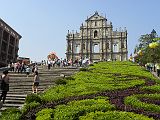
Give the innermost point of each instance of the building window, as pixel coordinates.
(95, 33)
(5, 35)
(96, 48)
(83, 46)
(95, 23)
(122, 44)
(77, 48)
(107, 45)
(115, 47)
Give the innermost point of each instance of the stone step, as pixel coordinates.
(21, 85)
(15, 98)
(29, 84)
(8, 105)
(14, 101)
(31, 79)
(15, 95)
(24, 91)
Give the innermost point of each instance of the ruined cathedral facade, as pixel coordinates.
(97, 41)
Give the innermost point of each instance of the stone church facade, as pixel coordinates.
(97, 41)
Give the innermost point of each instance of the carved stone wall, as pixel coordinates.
(97, 41)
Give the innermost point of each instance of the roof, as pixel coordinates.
(96, 15)
(153, 31)
(10, 28)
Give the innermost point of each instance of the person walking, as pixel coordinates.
(28, 70)
(158, 69)
(4, 85)
(35, 82)
(49, 65)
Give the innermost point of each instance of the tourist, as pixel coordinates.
(33, 67)
(23, 67)
(4, 85)
(49, 65)
(158, 69)
(15, 67)
(35, 82)
(36, 68)
(28, 70)
(80, 62)
(76, 62)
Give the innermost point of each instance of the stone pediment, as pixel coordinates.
(96, 16)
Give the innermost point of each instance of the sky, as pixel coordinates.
(43, 24)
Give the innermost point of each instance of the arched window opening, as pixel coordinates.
(95, 33)
(96, 48)
(95, 23)
(107, 45)
(115, 47)
(77, 49)
(122, 44)
(83, 47)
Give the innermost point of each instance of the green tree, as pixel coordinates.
(146, 39)
(149, 54)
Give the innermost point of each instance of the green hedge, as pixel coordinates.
(29, 106)
(114, 115)
(61, 81)
(135, 102)
(154, 88)
(100, 77)
(10, 114)
(33, 97)
(45, 114)
(74, 109)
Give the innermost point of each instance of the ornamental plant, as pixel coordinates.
(135, 102)
(113, 115)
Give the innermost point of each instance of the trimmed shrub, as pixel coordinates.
(45, 114)
(114, 115)
(33, 97)
(91, 65)
(154, 88)
(61, 82)
(11, 114)
(135, 102)
(83, 69)
(29, 106)
(74, 109)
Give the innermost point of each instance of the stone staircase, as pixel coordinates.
(21, 85)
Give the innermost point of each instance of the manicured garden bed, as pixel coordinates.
(103, 91)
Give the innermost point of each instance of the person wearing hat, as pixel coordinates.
(4, 85)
